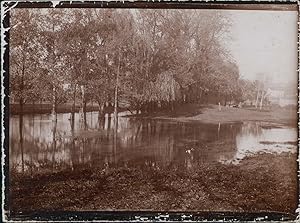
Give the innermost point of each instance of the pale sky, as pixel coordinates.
(264, 42)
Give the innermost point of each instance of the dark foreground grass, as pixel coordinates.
(261, 183)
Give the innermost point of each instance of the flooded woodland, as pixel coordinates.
(151, 109)
(151, 164)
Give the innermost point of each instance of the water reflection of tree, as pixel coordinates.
(251, 128)
(88, 147)
(21, 140)
(31, 152)
(159, 143)
(149, 138)
(54, 126)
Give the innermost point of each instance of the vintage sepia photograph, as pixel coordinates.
(152, 110)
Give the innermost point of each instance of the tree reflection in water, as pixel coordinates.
(21, 140)
(54, 126)
(48, 145)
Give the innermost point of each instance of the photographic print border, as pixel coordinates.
(122, 216)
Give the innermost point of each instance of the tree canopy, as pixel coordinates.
(162, 56)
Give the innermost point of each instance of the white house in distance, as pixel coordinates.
(275, 95)
(283, 94)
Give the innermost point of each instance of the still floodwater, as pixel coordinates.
(49, 146)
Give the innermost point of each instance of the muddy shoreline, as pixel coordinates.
(263, 182)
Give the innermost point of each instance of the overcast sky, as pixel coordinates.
(264, 42)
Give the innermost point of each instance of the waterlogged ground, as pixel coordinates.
(151, 164)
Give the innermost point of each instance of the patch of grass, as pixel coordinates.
(212, 114)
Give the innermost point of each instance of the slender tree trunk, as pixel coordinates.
(82, 108)
(256, 101)
(22, 86)
(261, 100)
(54, 103)
(101, 115)
(101, 108)
(54, 99)
(73, 109)
(84, 114)
(116, 94)
(200, 97)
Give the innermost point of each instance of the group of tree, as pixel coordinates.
(150, 59)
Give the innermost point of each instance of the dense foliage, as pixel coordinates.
(152, 58)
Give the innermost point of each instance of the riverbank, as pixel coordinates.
(186, 112)
(265, 182)
(212, 114)
(14, 109)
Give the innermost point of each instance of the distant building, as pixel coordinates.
(282, 97)
(275, 96)
(288, 100)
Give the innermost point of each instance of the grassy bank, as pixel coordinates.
(259, 183)
(212, 114)
(187, 112)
